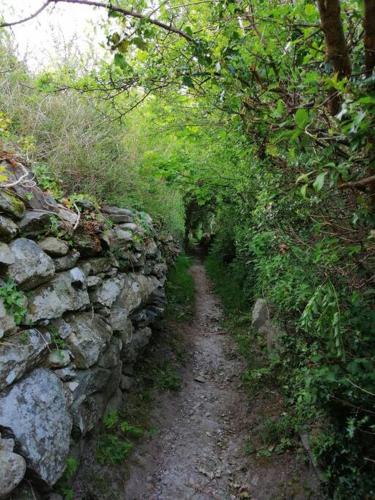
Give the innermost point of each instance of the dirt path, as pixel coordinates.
(199, 450)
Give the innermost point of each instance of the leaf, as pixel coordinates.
(123, 46)
(187, 81)
(119, 61)
(188, 30)
(113, 13)
(302, 118)
(310, 10)
(139, 43)
(304, 190)
(319, 181)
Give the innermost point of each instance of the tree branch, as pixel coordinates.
(111, 8)
(358, 184)
(35, 14)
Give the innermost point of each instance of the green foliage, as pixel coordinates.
(277, 431)
(166, 377)
(113, 420)
(180, 290)
(112, 449)
(238, 135)
(86, 148)
(64, 484)
(14, 300)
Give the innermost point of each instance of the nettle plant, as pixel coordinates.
(14, 300)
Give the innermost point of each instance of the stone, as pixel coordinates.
(86, 205)
(7, 322)
(88, 244)
(135, 344)
(57, 297)
(89, 337)
(11, 205)
(66, 262)
(61, 328)
(20, 353)
(66, 374)
(126, 383)
(146, 316)
(136, 291)
(261, 321)
(68, 216)
(260, 313)
(108, 292)
(58, 358)
(35, 410)
(7, 444)
(90, 381)
(78, 277)
(54, 246)
(8, 229)
(151, 249)
(115, 403)
(87, 412)
(97, 265)
(6, 256)
(35, 222)
(118, 215)
(130, 226)
(122, 235)
(90, 391)
(120, 321)
(94, 281)
(110, 357)
(32, 266)
(12, 471)
(160, 270)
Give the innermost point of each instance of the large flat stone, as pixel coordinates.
(107, 293)
(63, 293)
(32, 266)
(35, 410)
(21, 352)
(136, 291)
(118, 215)
(35, 222)
(67, 262)
(54, 246)
(89, 337)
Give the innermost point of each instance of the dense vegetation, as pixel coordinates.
(258, 130)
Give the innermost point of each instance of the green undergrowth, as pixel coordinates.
(180, 290)
(118, 440)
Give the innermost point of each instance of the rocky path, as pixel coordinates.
(199, 452)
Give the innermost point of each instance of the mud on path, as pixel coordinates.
(199, 452)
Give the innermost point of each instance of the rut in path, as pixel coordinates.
(199, 451)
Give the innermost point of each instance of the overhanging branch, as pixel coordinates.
(109, 7)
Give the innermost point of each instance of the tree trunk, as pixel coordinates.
(336, 49)
(369, 26)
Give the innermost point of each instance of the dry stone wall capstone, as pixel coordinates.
(80, 290)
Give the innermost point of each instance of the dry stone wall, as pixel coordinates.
(80, 289)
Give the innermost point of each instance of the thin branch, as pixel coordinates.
(108, 6)
(358, 184)
(31, 16)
